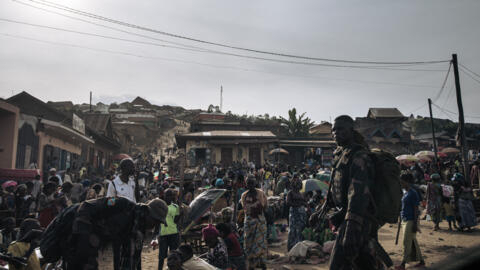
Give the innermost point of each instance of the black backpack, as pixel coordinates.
(54, 241)
(387, 193)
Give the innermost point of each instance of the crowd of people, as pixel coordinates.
(143, 199)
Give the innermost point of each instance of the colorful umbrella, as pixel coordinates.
(425, 159)
(450, 150)
(425, 154)
(441, 155)
(407, 159)
(313, 184)
(9, 184)
(120, 156)
(278, 151)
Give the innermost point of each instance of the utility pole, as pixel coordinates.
(433, 133)
(90, 101)
(221, 98)
(461, 120)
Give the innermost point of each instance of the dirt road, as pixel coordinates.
(435, 247)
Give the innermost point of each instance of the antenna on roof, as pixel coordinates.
(90, 101)
(221, 98)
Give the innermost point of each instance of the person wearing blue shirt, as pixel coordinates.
(409, 214)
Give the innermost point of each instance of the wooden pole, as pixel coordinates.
(461, 120)
(433, 133)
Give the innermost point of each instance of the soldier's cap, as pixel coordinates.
(158, 209)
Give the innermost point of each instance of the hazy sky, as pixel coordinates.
(58, 65)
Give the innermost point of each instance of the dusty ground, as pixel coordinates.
(435, 246)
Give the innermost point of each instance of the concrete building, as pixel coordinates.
(9, 116)
(226, 146)
(384, 128)
(48, 138)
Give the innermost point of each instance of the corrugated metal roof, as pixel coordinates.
(384, 112)
(230, 133)
(97, 121)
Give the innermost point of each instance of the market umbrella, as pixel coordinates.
(442, 155)
(9, 184)
(425, 154)
(313, 184)
(450, 150)
(425, 159)
(120, 156)
(201, 204)
(407, 159)
(278, 151)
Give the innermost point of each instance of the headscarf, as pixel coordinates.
(209, 232)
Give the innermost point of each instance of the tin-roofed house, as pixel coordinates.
(384, 128)
(226, 146)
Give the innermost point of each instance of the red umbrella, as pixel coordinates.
(9, 184)
(120, 156)
(441, 155)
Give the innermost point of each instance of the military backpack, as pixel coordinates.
(387, 192)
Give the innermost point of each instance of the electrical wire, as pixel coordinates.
(199, 50)
(205, 64)
(106, 26)
(468, 74)
(456, 113)
(450, 92)
(476, 74)
(444, 83)
(126, 24)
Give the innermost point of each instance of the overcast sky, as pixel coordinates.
(58, 65)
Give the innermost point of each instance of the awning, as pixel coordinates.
(66, 130)
(306, 143)
(19, 174)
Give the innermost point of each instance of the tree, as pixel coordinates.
(210, 108)
(297, 126)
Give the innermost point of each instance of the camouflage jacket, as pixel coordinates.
(352, 179)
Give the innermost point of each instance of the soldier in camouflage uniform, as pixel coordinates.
(352, 180)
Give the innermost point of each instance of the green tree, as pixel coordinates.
(297, 126)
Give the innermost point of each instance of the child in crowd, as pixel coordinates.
(218, 254)
(449, 208)
(235, 252)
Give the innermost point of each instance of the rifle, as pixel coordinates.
(398, 229)
(17, 261)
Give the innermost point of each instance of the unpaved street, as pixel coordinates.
(435, 246)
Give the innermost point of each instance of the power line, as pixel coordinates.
(468, 74)
(126, 24)
(201, 50)
(203, 64)
(444, 83)
(105, 26)
(476, 74)
(450, 92)
(455, 113)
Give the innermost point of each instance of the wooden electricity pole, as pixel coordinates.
(433, 133)
(461, 120)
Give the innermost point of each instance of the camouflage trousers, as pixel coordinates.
(366, 259)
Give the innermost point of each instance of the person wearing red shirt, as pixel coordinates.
(235, 251)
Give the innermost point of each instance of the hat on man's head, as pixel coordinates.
(158, 210)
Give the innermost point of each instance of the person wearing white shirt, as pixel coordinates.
(117, 187)
(123, 185)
